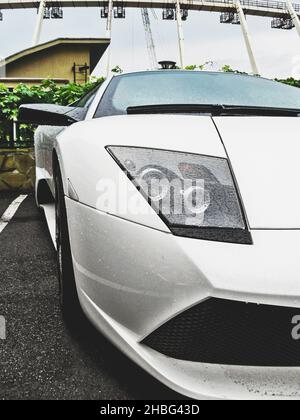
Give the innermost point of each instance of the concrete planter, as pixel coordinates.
(17, 170)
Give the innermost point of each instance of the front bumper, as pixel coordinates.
(132, 279)
(199, 381)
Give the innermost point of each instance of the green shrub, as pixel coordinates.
(47, 92)
(290, 81)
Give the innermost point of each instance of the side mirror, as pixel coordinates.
(49, 114)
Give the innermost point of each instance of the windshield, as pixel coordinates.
(188, 87)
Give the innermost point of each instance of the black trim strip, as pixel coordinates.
(230, 235)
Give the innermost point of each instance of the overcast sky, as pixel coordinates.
(277, 51)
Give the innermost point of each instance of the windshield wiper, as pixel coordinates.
(175, 109)
(260, 111)
(213, 110)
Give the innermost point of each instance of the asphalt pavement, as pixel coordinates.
(42, 357)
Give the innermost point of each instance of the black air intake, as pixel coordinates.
(230, 333)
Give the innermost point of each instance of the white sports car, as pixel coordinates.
(177, 225)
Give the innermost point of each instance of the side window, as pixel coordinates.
(87, 99)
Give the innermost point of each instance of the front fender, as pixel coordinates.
(95, 176)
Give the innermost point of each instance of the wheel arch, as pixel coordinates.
(43, 193)
(57, 163)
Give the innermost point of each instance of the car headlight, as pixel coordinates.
(195, 195)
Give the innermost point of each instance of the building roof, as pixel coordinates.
(97, 48)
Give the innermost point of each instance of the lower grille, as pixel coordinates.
(230, 333)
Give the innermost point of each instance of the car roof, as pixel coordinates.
(229, 73)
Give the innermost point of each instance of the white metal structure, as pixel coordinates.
(108, 34)
(180, 34)
(246, 35)
(149, 39)
(38, 28)
(294, 15)
(266, 8)
(135, 275)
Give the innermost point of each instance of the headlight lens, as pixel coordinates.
(193, 194)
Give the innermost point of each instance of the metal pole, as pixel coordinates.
(244, 25)
(180, 34)
(39, 22)
(14, 132)
(108, 34)
(294, 15)
(149, 39)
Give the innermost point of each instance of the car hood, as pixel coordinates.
(264, 153)
(265, 156)
(88, 165)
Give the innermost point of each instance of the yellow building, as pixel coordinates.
(62, 60)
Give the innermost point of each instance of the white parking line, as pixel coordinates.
(10, 212)
(2, 328)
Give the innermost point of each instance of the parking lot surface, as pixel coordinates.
(41, 357)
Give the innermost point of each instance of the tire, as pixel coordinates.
(67, 287)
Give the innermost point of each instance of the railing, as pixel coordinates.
(11, 4)
(257, 5)
(277, 5)
(14, 135)
(263, 4)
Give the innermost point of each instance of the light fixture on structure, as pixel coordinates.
(57, 13)
(47, 13)
(168, 14)
(230, 17)
(104, 12)
(184, 14)
(119, 12)
(236, 20)
(282, 23)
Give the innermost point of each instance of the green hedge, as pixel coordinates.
(290, 81)
(47, 92)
